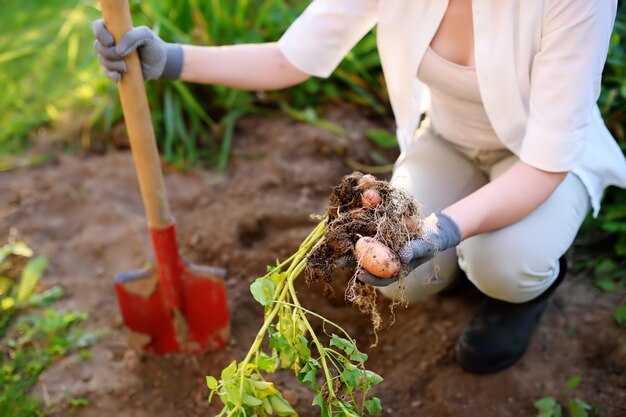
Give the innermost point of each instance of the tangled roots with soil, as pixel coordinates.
(362, 206)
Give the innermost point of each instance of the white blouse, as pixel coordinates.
(539, 65)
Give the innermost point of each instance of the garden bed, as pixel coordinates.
(85, 214)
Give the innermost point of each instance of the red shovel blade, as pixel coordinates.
(176, 306)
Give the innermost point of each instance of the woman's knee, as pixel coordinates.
(504, 272)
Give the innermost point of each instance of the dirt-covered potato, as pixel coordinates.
(376, 258)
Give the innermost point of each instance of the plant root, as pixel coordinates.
(394, 221)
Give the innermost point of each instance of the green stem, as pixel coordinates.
(259, 337)
(318, 344)
(297, 263)
(313, 237)
(297, 266)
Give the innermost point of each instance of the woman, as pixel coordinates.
(512, 156)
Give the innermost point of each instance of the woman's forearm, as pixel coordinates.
(245, 67)
(504, 201)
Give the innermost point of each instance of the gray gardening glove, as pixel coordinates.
(159, 59)
(440, 232)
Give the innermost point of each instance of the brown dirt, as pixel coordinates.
(85, 214)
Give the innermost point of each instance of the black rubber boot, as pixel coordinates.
(498, 334)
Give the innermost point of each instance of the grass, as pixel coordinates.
(32, 335)
(46, 67)
(575, 407)
(51, 72)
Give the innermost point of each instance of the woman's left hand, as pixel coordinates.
(439, 233)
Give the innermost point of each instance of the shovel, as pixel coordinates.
(174, 306)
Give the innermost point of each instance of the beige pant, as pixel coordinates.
(515, 263)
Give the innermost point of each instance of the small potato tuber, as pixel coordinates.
(370, 199)
(367, 181)
(376, 258)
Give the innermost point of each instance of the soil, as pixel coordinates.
(85, 214)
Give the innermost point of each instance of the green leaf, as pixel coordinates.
(620, 246)
(5, 285)
(311, 377)
(264, 387)
(545, 404)
(339, 342)
(319, 400)
(267, 406)
(382, 138)
(572, 383)
(7, 303)
(87, 339)
(281, 406)
(596, 410)
(287, 356)
(15, 248)
(352, 378)
(265, 363)
(30, 277)
(348, 409)
(79, 402)
(277, 340)
(227, 139)
(605, 267)
(620, 315)
(250, 400)
(558, 411)
(262, 290)
(43, 298)
(343, 344)
(605, 284)
(373, 378)
(233, 392)
(302, 348)
(373, 406)
(358, 356)
(229, 371)
(211, 382)
(578, 408)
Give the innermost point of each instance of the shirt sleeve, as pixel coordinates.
(325, 32)
(565, 81)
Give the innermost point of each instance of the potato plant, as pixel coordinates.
(331, 365)
(367, 222)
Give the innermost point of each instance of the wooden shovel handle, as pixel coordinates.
(117, 19)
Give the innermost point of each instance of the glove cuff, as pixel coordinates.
(449, 231)
(173, 61)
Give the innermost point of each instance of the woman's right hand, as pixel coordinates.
(159, 59)
(439, 232)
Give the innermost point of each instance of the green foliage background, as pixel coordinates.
(48, 65)
(49, 74)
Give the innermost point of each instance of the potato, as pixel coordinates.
(370, 199)
(376, 258)
(367, 181)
